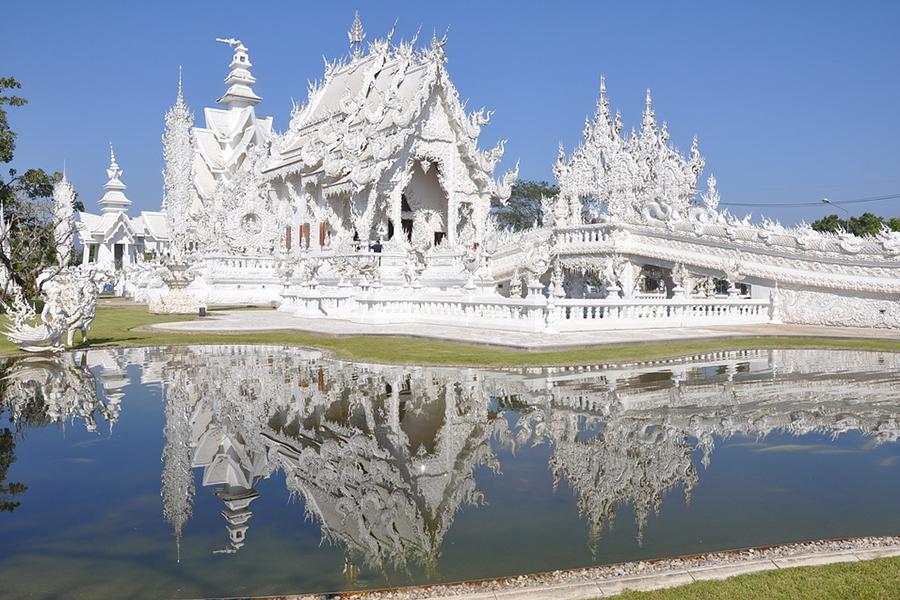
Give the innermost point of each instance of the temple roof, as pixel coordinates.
(148, 224)
(240, 92)
(357, 121)
(114, 200)
(347, 83)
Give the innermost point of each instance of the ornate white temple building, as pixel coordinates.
(112, 238)
(375, 205)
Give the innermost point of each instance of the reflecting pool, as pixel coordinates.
(237, 470)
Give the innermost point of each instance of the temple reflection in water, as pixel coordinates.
(383, 457)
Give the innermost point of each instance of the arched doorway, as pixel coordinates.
(425, 206)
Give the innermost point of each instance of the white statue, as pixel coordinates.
(43, 337)
(73, 293)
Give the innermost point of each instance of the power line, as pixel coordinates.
(819, 203)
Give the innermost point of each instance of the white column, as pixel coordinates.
(452, 199)
(452, 220)
(629, 278)
(300, 215)
(85, 253)
(396, 207)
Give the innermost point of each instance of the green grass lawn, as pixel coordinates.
(115, 326)
(871, 579)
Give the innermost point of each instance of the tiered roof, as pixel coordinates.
(114, 206)
(356, 123)
(230, 132)
(628, 173)
(114, 200)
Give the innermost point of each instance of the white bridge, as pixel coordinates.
(810, 277)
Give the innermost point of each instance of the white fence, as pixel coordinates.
(581, 315)
(522, 314)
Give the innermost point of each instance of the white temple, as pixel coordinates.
(114, 239)
(374, 205)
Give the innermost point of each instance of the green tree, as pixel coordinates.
(26, 204)
(8, 490)
(33, 183)
(7, 135)
(830, 224)
(866, 224)
(524, 206)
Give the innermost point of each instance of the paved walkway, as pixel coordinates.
(242, 321)
(672, 578)
(610, 580)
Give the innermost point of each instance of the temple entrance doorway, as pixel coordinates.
(118, 253)
(424, 209)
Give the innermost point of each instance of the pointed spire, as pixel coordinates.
(390, 35)
(602, 118)
(356, 35)
(696, 162)
(437, 45)
(180, 97)
(240, 82)
(114, 200)
(648, 123)
(114, 171)
(64, 219)
(711, 197)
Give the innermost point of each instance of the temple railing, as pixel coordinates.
(576, 315)
(831, 264)
(584, 234)
(224, 267)
(534, 314)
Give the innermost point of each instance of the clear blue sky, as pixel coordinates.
(792, 101)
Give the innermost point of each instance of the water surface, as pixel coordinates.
(237, 470)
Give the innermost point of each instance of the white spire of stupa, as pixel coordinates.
(178, 176)
(240, 81)
(64, 218)
(114, 200)
(648, 123)
(356, 35)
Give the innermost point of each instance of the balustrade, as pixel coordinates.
(526, 314)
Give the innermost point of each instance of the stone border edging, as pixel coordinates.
(609, 580)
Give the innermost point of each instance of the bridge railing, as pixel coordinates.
(584, 234)
(581, 315)
(529, 314)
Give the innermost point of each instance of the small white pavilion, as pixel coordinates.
(112, 237)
